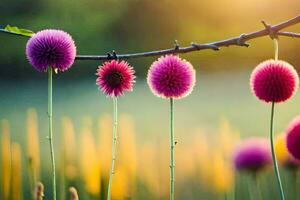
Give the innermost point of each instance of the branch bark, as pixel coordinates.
(272, 31)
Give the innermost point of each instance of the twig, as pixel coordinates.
(289, 34)
(272, 31)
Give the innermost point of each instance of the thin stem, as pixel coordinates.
(172, 146)
(276, 48)
(114, 144)
(254, 188)
(50, 137)
(275, 164)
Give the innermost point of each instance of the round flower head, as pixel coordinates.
(252, 155)
(53, 48)
(114, 78)
(282, 154)
(171, 77)
(274, 81)
(293, 138)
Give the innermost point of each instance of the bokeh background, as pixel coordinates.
(209, 123)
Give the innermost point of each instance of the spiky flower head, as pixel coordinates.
(51, 48)
(293, 138)
(171, 77)
(252, 155)
(274, 81)
(115, 78)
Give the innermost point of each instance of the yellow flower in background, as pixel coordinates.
(120, 186)
(6, 160)
(153, 167)
(163, 162)
(69, 150)
(148, 167)
(214, 169)
(185, 161)
(104, 147)
(33, 147)
(223, 174)
(16, 166)
(227, 138)
(202, 157)
(89, 161)
(126, 151)
(281, 151)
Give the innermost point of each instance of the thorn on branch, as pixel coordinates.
(270, 30)
(176, 45)
(109, 56)
(114, 54)
(205, 46)
(241, 41)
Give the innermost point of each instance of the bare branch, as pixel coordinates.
(289, 34)
(272, 31)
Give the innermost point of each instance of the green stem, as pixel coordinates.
(275, 164)
(114, 144)
(254, 187)
(172, 146)
(50, 137)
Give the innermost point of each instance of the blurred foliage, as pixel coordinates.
(141, 25)
(204, 168)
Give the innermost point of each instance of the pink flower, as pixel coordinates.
(274, 81)
(171, 77)
(114, 78)
(293, 138)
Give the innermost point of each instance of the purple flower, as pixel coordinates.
(114, 78)
(274, 81)
(53, 48)
(253, 154)
(171, 77)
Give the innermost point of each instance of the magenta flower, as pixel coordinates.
(274, 81)
(171, 77)
(53, 48)
(253, 154)
(114, 78)
(293, 138)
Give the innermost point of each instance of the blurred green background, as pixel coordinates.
(129, 26)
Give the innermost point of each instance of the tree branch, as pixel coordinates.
(272, 31)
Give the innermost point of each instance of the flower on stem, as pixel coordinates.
(114, 78)
(252, 155)
(171, 77)
(274, 81)
(53, 48)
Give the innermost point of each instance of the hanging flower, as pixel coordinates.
(115, 78)
(53, 48)
(171, 77)
(274, 81)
